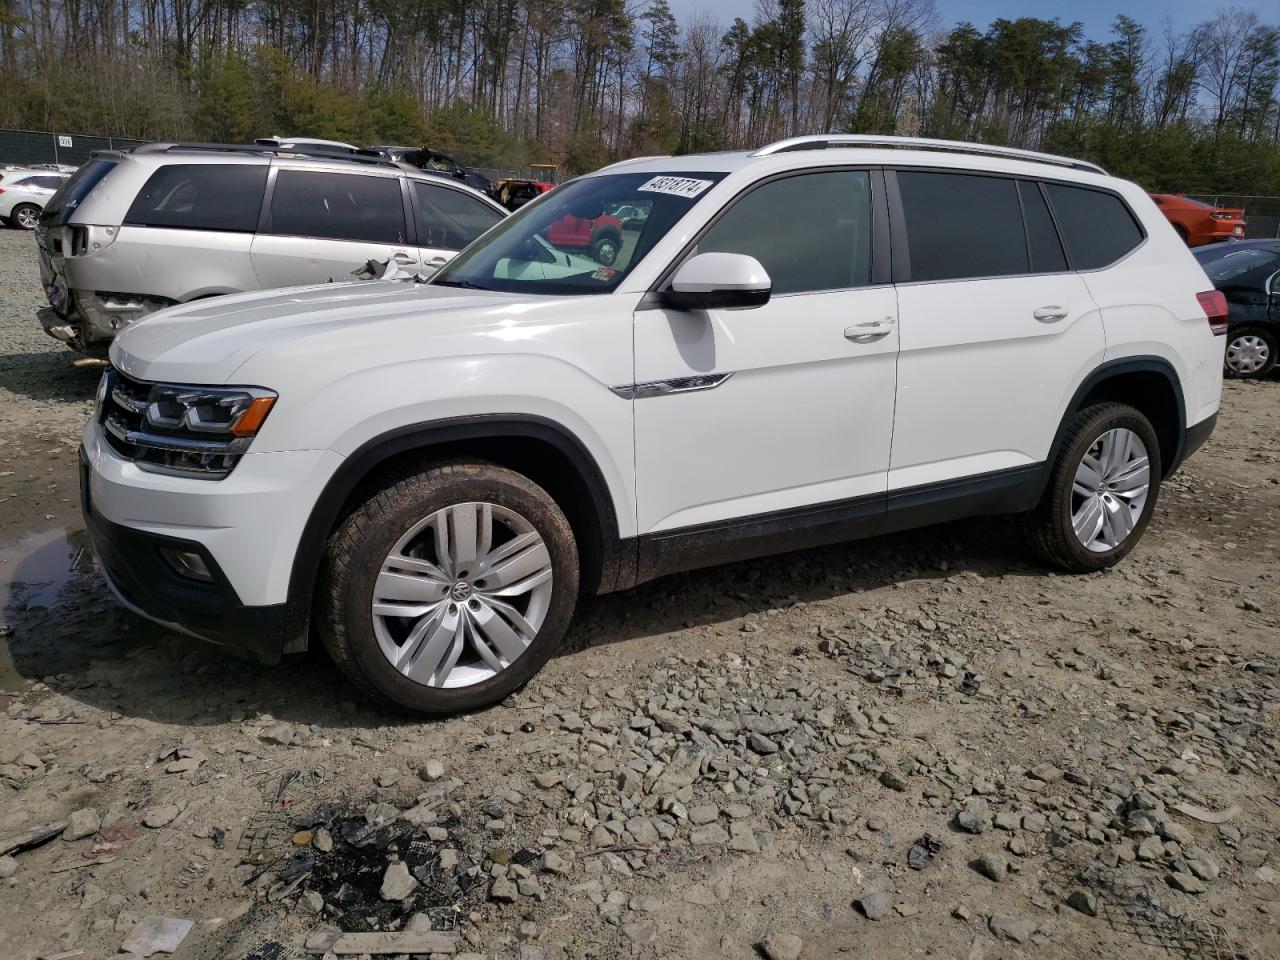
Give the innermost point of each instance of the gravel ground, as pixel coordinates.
(908, 747)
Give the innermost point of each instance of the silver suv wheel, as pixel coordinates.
(1109, 491)
(462, 595)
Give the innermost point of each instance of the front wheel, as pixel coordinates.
(1102, 490)
(26, 216)
(450, 589)
(604, 249)
(1251, 352)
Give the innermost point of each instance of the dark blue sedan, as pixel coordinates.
(1248, 274)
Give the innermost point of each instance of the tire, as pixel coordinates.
(363, 642)
(605, 248)
(25, 216)
(1049, 527)
(1250, 353)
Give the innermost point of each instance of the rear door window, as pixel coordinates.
(201, 196)
(449, 219)
(338, 206)
(962, 226)
(1097, 226)
(1043, 244)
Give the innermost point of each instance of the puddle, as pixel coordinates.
(33, 573)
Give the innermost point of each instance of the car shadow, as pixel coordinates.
(48, 375)
(80, 642)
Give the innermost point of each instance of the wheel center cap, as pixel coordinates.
(461, 591)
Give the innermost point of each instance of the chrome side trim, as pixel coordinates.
(662, 388)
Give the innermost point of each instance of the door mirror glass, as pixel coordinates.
(719, 281)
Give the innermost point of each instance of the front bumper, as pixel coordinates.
(144, 582)
(246, 528)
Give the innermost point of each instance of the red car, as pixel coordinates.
(1200, 223)
(601, 237)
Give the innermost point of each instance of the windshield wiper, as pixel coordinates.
(464, 284)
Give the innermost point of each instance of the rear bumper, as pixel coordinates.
(144, 582)
(1217, 231)
(1194, 439)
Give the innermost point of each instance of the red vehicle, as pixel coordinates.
(1200, 223)
(601, 237)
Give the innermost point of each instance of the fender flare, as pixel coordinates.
(616, 561)
(1104, 372)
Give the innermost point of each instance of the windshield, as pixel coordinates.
(1234, 264)
(73, 191)
(583, 237)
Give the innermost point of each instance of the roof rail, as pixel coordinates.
(306, 151)
(829, 140)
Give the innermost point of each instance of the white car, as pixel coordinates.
(24, 193)
(823, 339)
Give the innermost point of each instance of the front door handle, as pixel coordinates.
(437, 261)
(870, 331)
(1051, 314)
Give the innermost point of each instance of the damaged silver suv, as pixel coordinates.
(135, 231)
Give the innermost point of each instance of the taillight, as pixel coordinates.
(1214, 305)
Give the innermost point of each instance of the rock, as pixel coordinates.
(645, 904)
(311, 902)
(1007, 820)
(708, 835)
(388, 777)
(322, 840)
(893, 781)
(83, 823)
(1187, 883)
(645, 931)
(503, 891)
(1150, 849)
(1034, 823)
(432, 770)
(553, 862)
(160, 816)
(782, 946)
(1083, 902)
(281, 733)
(1006, 927)
(547, 779)
(992, 866)
(8, 867)
(156, 935)
(1045, 772)
(761, 744)
(704, 814)
(397, 883)
(975, 817)
(875, 905)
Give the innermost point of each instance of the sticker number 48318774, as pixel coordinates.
(675, 186)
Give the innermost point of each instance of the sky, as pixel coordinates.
(1096, 15)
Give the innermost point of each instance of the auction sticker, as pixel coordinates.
(675, 186)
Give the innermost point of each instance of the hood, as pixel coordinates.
(207, 341)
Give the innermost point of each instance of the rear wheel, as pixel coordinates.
(26, 216)
(450, 589)
(1251, 352)
(605, 249)
(1102, 490)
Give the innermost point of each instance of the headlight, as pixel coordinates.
(185, 430)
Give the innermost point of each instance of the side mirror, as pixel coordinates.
(719, 281)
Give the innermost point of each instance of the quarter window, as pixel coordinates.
(201, 196)
(810, 232)
(337, 206)
(449, 219)
(961, 226)
(1097, 227)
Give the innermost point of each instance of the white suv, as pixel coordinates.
(820, 340)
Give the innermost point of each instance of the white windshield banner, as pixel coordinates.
(675, 186)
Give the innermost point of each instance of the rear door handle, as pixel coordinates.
(1051, 314)
(401, 257)
(870, 331)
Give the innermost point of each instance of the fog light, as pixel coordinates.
(187, 564)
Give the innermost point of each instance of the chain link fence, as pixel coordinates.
(1261, 214)
(24, 147)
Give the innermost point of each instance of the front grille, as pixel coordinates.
(123, 409)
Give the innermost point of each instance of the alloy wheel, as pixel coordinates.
(1109, 491)
(1247, 353)
(606, 252)
(462, 595)
(28, 218)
